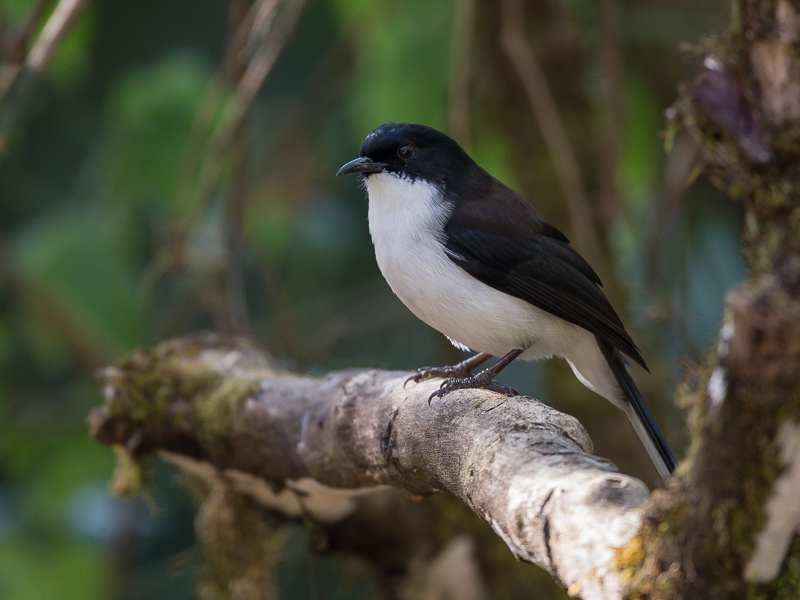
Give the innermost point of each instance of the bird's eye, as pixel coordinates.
(405, 152)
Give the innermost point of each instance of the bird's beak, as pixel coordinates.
(363, 165)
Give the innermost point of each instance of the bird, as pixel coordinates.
(474, 260)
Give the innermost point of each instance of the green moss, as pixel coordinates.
(147, 384)
(650, 557)
(171, 394)
(130, 476)
(721, 542)
(240, 544)
(216, 408)
(787, 586)
(175, 387)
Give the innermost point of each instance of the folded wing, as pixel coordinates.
(543, 270)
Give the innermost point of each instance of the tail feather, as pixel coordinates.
(640, 416)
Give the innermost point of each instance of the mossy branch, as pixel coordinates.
(220, 409)
(726, 528)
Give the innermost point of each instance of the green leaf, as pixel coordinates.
(33, 569)
(150, 116)
(82, 258)
(402, 60)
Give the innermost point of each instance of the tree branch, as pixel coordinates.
(57, 27)
(55, 30)
(521, 466)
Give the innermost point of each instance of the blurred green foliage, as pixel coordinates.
(116, 231)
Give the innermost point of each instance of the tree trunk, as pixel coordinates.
(727, 527)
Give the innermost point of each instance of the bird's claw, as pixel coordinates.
(416, 378)
(474, 382)
(453, 372)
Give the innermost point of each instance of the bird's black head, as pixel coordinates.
(410, 151)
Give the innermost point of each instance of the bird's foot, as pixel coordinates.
(459, 371)
(482, 380)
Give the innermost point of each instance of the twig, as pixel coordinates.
(264, 58)
(610, 60)
(56, 28)
(241, 20)
(14, 47)
(543, 106)
(267, 37)
(198, 161)
(676, 178)
(460, 70)
(282, 307)
(259, 36)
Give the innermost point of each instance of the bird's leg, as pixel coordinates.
(484, 379)
(461, 370)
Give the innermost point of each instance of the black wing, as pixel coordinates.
(543, 270)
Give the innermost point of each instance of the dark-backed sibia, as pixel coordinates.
(474, 260)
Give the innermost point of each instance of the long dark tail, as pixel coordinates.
(639, 415)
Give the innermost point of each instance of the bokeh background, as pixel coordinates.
(171, 170)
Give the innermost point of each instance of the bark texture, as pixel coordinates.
(220, 410)
(726, 528)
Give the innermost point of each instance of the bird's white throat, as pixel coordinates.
(400, 207)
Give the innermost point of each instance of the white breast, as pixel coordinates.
(405, 220)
